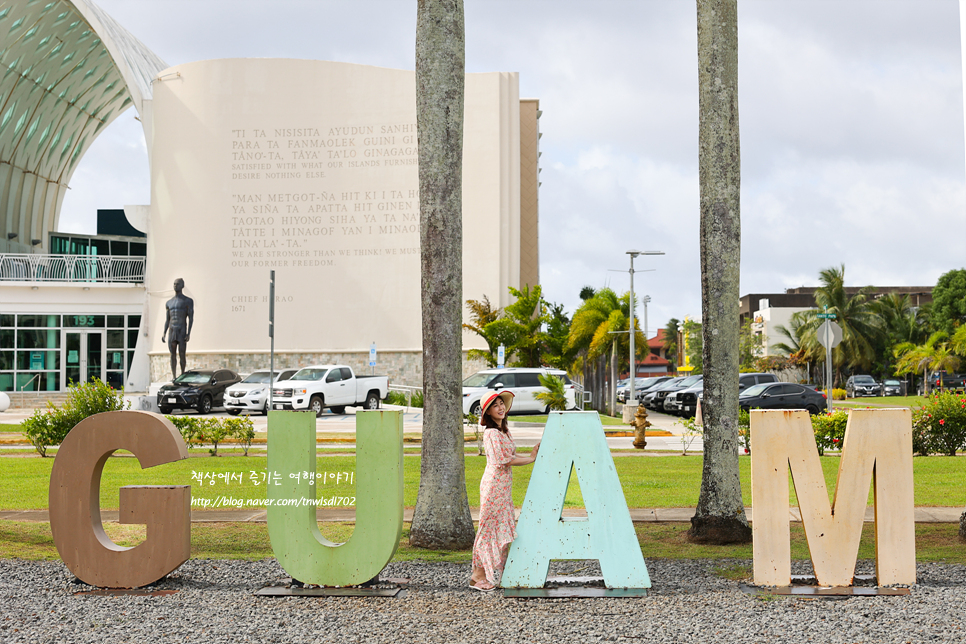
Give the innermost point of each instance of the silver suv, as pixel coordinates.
(523, 382)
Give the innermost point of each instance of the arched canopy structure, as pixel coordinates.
(67, 69)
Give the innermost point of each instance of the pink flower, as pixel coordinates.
(942, 421)
(834, 440)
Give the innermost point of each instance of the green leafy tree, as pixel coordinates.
(50, 426)
(557, 351)
(694, 346)
(949, 301)
(749, 347)
(855, 314)
(934, 355)
(671, 330)
(555, 398)
(483, 313)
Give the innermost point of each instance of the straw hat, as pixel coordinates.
(507, 397)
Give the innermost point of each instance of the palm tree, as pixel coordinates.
(442, 518)
(935, 355)
(720, 515)
(556, 395)
(600, 327)
(481, 314)
(861, 326)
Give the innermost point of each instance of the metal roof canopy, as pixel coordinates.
(67, 69)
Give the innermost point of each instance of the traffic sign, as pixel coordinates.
(372, 354)
(829, 334)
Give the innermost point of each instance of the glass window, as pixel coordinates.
(506, 380)
(119, 248)
(335, 375)
(100, 247)
(132, 338)
(138, 249)
(6, 339)
(479, 379)
(37, 360)
(130, 360)
(528, 380)
(346, 373)
(115, 321)
(115, 339)
(92, 321)
(6, 359)
(134, 321)
(6, 319)
(115, 380)
(38, 339)
(115, 359)
(43, 321)
(6, 381)
(39, 381)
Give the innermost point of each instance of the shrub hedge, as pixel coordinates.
(49, 426)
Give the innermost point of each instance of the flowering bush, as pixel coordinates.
(830, 429)
(48, 427)
(839, 394)
(939, 426)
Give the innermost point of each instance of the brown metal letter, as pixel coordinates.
(75, 513)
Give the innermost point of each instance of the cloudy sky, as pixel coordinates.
(851, 114)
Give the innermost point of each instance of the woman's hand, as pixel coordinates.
(533, 453)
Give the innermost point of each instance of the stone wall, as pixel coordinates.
(403, 368)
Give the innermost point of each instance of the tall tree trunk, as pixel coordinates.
(720, 515)
(442, 515)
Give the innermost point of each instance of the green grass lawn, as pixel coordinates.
(883, 401)
(8, 428)
(936, 542)
(542, 418)
(654, 481)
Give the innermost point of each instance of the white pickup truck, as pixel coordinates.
(333, 386)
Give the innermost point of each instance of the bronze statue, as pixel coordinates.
(179, 318)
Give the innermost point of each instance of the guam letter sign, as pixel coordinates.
(575, 440)
(877, 449)
(298, 545)
(74, 498)
(75, 518)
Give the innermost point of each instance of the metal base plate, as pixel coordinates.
(824, 591)
(287, 591)
(120, 592)
(573, 591)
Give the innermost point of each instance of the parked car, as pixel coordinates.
(200, 389)
(781, 395)
(687, 399)
(649, 397)
(658, 381)
(251, 394)
(662, 392)
(641, 385)
(523, 382)
(857, 386)
(333, 386)
(892, 388)
(622, 388)
(943, 380)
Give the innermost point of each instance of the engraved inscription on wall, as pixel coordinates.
(309, 199)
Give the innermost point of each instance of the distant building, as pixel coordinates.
(767, 311)
(656, 362)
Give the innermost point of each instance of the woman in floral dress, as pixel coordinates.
(497, 529)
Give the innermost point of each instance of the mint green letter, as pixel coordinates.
(292, 527)
(575, 439)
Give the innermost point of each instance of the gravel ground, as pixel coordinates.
(689, 603)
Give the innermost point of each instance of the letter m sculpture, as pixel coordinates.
(877, 450)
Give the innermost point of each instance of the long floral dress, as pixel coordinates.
(497, 525)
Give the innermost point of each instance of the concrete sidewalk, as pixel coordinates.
(638, 515)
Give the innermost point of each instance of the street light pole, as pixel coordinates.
(631, 392)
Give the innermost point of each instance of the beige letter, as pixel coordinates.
(878, 443)
(75, 513)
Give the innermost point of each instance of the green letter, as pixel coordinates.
(298, 545)
(575, 440)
